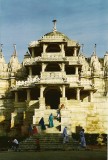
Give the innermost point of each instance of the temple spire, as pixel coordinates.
(1, 46)
(54, 28)
(15, 53)
(82, 46)
(95, 49)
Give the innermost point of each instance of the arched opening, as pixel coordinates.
(52, 98)
(53, 48)
(52, 67)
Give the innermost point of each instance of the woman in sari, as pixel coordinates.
(51, 121)
(42, 124)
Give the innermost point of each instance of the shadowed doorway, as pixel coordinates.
(52, 98)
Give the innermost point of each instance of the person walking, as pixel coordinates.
(82, 138)
(51, 124)
(15, 144)
(42, 124)
(65, 135)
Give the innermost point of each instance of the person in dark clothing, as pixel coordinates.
(37, 144)
(42, 124)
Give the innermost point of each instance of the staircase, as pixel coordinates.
(48, 141)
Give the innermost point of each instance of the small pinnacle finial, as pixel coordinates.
(54, 28)
(95, 49)
(14, 45)
(82, 45)
(1, 46)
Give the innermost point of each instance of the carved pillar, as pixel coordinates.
(33, 53)
(91, 96)
(16, 96)
(43, 67)
(41, 91)
(63, 91)
(78, 94)
(44, 48)
(76, 70)
(62, 48)
(30, 71)
(75, 51)
(28, 95)
(63, 67)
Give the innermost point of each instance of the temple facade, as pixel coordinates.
(54, 75)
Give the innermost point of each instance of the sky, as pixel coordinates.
(23, 21)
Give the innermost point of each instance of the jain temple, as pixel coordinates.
(54, 74)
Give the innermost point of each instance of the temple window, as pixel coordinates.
(52, 67)
(70, 69)
(53, 48)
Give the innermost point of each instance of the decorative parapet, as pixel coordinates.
(53, 77)
(31, 61)
(45, 57)
(29, 82)
(73, 60)
(87, 84)
(52, 38)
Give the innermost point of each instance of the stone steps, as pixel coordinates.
(48, 142)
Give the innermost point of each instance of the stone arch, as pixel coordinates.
(53, 67)
(52, 96)
(53, 48)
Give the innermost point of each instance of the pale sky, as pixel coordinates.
(23, 21)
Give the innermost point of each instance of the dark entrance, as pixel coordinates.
(52, 98)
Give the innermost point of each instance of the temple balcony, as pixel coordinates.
(46, 57)
(73, 80)
(31, 81)
(73, 60)
(87, 84)
(53, 77)
(54, 56)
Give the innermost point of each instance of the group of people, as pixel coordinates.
(81, 134)
(32, 130)
(50, 119)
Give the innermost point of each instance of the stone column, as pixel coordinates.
(28, 95)
(75, 51)
(41, 91)
(76, 70)
(30, 71)
(63, 91)
(62, 48)
(63, 67)
(44, 48)
(43, 67)
(91, 96)
(33, 53)
(16, 96)
(78, 94)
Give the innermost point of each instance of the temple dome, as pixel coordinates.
(58, 34)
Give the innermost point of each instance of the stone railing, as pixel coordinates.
(53, 56)
(52, 38)
(30, 81)
(31, 61)
(72, 79)
(87, 84)
(53, 77)
(45, 57)
(73, 60)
